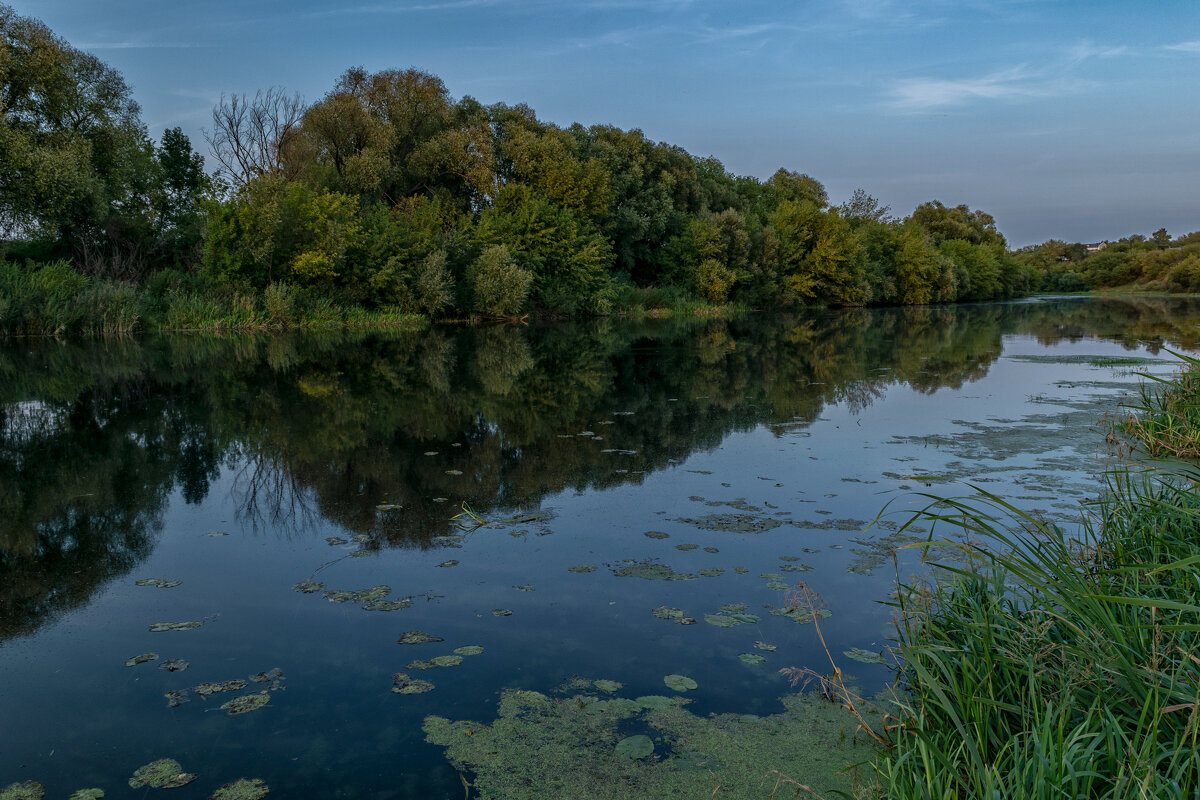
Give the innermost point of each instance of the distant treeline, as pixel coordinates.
(390, 197)
(1154, 263)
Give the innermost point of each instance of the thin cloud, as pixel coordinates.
(916, 94)
(1184, 47)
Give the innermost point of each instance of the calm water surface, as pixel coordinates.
(758, 452)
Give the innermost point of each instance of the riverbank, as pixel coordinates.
(1061, 666)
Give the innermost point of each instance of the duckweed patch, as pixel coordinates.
(727, 619)
(420, 663)
(159, 627)
(387, 605)
(142, 658)
(657, 702)
(679, 683)
(650, 570)
(29, 790)
(711, 550)
(581, 568)
(403, 684)
(608, 686)
(657, 535)
(417, 637)
(686, 547)
(468, 650)
(710, 572)
(733, 523)
(865, 656)
(308, 587)
(246, 703)
(543, 747)
(447, 661)
(85, 794)
(673, 614)
(359, 595)
(160, 583)
(162, 774)
(243, 789)
(205, 689)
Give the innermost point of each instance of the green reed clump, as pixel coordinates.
(1040, 665)
(1166, 421)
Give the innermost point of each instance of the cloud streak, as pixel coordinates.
(1184, 47)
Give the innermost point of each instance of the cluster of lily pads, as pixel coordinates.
(239, 705)
(165, 773)
(403, 683)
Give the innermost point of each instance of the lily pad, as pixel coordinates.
(865, 656)
(795, 568)
(658, 535)
(680, 683)
(655, 702)
(176, 698)
(733, 608)
(752, 658)
(141, 659)
(778, 586)
(162, 774)
(447, 661)
(158, 627)
(246, 703)
(581, 568)
(336, 540)
(770, 648)
(420, 663)
(635, 747)
(244, 789)
(720, 620)
(29, 790)
(451, 563)
(710, 572)
(387, 605)
(617, 707)
(741, 570)
(161, 583)
(418, 637)
(650, 570)
(469, 650)
(801, 615)
(271, 675)
(734, 523)
(85, 794)
(608, 686)
(308, 587)
(174, 665)
(687, 546)
(403, 684)
(711, 549)
(205, 689)
(501, 612)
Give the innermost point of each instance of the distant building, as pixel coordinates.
(1096, 247)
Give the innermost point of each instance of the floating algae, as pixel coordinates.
(741, 570)
(174, 665)
(874, 553)
(141, 659)
(686, 547)
(308, 587)
(634, 747)
(451, 563)
(865, 656)
(29, 790)
(619, 706)
(525, 587)
(710, 572)
(243, 789)
(795, 568)
(733, 608)
(543, 747)
(336, 540)
(387, 605)
(162, 774)
(447, 661)
(727, 619)
(469, 650)
(658, 535)
(770, 648)
(501, 612)
(657, 702)
(733, 523)
(674, 614)
(420, 663)
(84, 794)
(711, 550)
(274, 676)
(403, 684)
(418, 637)
(246, 703)
(752, 658)
(205, 689)
(581, 568)
(359, 595)
(801, 615)
(608, 686)
(680, 683)
(158, 627)
(176, 698)
(650, 570)
(161, 583)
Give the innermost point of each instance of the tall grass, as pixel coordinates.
(1041, 665)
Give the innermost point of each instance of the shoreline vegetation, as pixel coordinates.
(1037, 664)
(387, 200)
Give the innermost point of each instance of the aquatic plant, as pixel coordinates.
(29, 790)
(162, 774)
(242, 789)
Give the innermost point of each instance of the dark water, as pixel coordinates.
(122, 461)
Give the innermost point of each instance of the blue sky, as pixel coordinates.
(1075, 120)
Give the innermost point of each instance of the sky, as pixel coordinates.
(1069, 120)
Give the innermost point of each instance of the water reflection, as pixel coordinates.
(94, 438)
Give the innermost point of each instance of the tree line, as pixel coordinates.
(390, 195)
(1151, 263)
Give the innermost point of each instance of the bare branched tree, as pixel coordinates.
(251, 136)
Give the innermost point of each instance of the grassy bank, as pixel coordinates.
(1055, 666)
